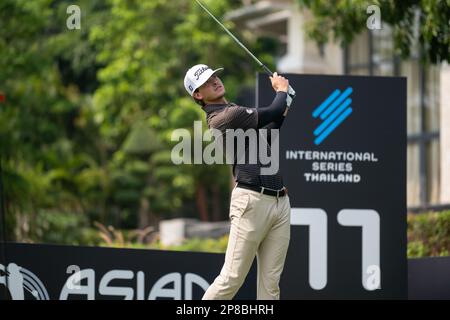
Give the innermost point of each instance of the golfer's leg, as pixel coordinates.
(271, 255)
(240, 252)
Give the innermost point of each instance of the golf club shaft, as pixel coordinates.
(267, 70)
(291, 91)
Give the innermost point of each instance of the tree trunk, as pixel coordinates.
(144, 208)
(216, 208)
(146, 216)
(202, 203)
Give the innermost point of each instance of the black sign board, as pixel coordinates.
(343, 159)
(44, 272)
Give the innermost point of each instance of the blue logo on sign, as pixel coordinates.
(334, 110)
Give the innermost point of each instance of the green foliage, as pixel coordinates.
(429, 234)
(86, 126)
(141, 140)
(148, 239)
(343, 19)
(199, 245)
(111, 237)
(64, 228)
(196, 244)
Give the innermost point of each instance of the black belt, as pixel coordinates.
(269, 192)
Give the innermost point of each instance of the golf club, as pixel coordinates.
(291, 91)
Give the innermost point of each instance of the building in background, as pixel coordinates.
(371, 53)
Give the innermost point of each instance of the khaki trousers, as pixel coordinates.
(260, 225)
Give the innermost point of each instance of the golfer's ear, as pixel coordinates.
(197, 95)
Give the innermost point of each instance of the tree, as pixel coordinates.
(146, 48)
(86, 125)
(343, 19)
(47, 140)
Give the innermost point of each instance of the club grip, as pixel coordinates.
(291, 91)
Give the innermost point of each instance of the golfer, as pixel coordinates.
(259, 207)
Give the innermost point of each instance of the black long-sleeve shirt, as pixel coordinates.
(232, 116)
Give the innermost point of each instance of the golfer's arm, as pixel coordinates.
(275, 124)
(273, 112)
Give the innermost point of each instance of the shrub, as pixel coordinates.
(429, 234)
(66, 228)
(196, 244)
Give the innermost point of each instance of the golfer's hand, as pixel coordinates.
(279, 83)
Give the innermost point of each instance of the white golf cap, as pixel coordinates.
(196, 76)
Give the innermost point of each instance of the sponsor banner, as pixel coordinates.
(43, 272)
(343, 159)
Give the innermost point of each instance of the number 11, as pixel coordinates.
(317, 220)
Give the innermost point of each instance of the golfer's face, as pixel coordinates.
(212, 89)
